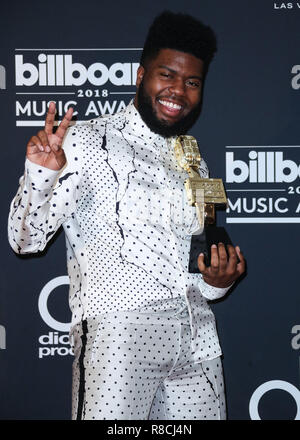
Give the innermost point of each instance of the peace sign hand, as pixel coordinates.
(44, 149)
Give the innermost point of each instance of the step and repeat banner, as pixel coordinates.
(85, 55)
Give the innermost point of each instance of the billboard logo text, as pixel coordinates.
(262, 167)
(59, 70)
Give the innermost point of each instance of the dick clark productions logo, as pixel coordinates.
(57, 342)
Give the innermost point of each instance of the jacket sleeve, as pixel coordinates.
(45, 199)
(210, 292)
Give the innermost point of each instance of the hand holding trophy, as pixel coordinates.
(218, 265)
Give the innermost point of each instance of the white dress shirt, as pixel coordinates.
(122, 203)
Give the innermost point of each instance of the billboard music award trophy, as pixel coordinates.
(204, 194)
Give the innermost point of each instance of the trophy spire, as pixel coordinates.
(202, 193)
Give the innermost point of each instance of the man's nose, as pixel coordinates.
(177, 87)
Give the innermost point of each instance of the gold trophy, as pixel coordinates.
(204, 194)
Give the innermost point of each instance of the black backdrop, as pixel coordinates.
(249, 135)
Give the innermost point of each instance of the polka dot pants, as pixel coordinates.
(139, 366)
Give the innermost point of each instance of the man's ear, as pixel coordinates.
(139, 75)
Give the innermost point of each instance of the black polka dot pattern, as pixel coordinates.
(139, 366)
(128, 226)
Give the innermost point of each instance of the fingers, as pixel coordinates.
(220, 261)
(60, 132)
(40, 141)
(223, 269)
(35, 143)
(241, 267)
(201, 265)
(232, 260)
(214, 259)
(223, 259)
(45, 140)
(42, 135)
(49, 122)
(233, 268)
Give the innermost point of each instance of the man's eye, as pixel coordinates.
(167, 75)
(193, 84)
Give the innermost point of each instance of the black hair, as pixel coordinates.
(179, 32)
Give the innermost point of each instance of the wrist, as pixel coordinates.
(42, 177)
(218, 284)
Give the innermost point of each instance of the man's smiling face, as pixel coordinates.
(169, 92)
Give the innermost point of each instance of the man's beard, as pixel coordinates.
(161, 127)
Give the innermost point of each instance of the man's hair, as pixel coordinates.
(179, 32)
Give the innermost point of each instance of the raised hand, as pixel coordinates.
(45, 147)
(222, 271)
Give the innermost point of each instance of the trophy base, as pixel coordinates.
(202, 244)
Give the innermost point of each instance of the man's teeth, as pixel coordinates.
(170, 104)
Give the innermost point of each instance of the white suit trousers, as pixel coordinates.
(138, 365)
